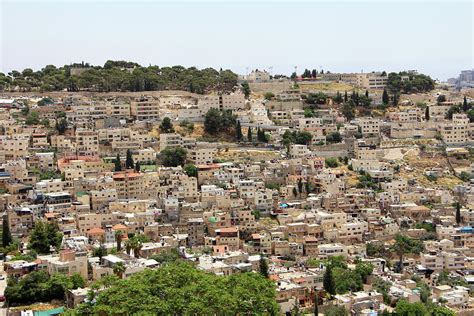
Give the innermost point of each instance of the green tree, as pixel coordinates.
(395, 98)
(249, 134)
(77, 281)
(442, 311)
(465, 105)
(191, 170)
(331, 162)
(180, 289)
(263, 266)
(32, 118)
(129, 164)
(100, 252)
(345, 96)
(269, 95)
(44, 236)
(404, 308)
(441, 98)
(61, 125)
(338, 98)
(348, 111)
(403, 245)
(364, 270)
(137, 166)
(427, 113)
(452, 110)
(168, 256)
(118, 239)
(295, 192)
(385, 98)
(334, 138)
(6, 235)
(173, 156)
(458, 213)
(166, 126)
(216, 121)
(246, 89)
(316, 304)
(238, 131)
(300, 185)
(328, 281)
(119, 269)
(117, 164)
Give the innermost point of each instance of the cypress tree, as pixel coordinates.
(129, 164)
(249, 134)
(465, 106)
(395, 98)
(385, 97)
(118, 164)
(238, 131)
(263, 267)
(427, 113)
(6, 235)
(300, 185)
(345, 96)
(316, 303)
(458, 213)
(137, 166)
(367, 93)
(328, 281)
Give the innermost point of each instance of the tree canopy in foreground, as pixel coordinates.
(181, 289)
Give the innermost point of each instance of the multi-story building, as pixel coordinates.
(145, 109)
(202, 156)
(457, 131)
(87, 141)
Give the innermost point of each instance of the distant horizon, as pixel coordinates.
(343, 36)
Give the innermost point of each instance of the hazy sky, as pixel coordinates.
(350, 36)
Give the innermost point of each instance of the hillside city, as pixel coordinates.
(129, 189)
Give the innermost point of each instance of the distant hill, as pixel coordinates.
(118, 76)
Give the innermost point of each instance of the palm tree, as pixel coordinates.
(137, 249)
(119, 269)
(136, 244)
(118, 239)
(129, 245)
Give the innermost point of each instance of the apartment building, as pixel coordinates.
(369, 126)
(372, 81)
(202, 156)
(332, 250)
(144, 155)
(258, 76)
(87, 141)
(176, 140)
(308, 122)
(15, 147)
(457, 131)
(68, 262)
(353, 231)
(444, 260)
(87, 221)
(145, 109)
(130, 185)
(233, 101)
(298, 151)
